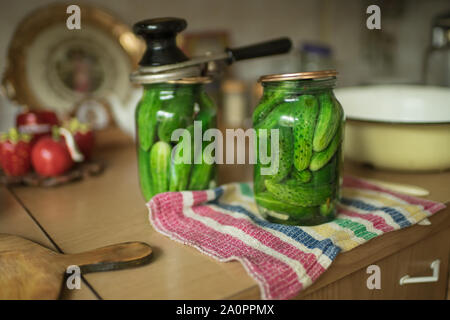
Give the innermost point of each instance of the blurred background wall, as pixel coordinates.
(360, 55)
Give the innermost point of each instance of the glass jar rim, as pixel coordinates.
(317, 75)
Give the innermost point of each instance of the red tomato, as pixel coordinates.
(51, 157)
(15, 152)
(38, 123)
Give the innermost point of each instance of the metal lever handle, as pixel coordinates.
(434, 278)
(263, 49)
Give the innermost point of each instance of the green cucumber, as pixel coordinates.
(206, 103)
(208, 120)
(328, 209)
(271, 99)
(310, 220)
(201, 176)
(266, 200)
(202, 172)
(267, 105)
(320, 159)
(285, 154)
(146, 112)
(207, 116)
(327, 123)
(145, 176)
(160, 154)
(305, 115)
(258, 176)
(277, 116)
(176, 114)
(326, 175)
(302, 176)
(260, 134)
(296, 194)
(179, 171)
(258, 179)
(207, 113)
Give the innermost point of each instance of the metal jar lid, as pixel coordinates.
(322, 74)
(192, 80)
(171, 75)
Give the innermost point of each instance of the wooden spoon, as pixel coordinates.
(31, 271)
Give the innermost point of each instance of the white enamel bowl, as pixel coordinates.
(397, 127)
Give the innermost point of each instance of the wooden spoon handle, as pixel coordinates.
(114, 257)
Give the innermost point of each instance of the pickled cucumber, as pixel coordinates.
(307, 220)
(201, 176)
(275, 117)
(320, 159)
(206, 118)
(271, 100)
(326, 175)
(206, 103)
(258, 176)
(267, 200)
(296, 194)
(207, 113)
(146, 118)
(285, 154)
(178, 113)
(305, 115)
(179, 171)
(266, 106)
(302, 176)
(327, 122)
(258, 179)
(201, 172)
(160, 154)
(328, 208)
(145, 177)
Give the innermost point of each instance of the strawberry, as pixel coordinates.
(83, 135)
(38, 123)
(15, 149)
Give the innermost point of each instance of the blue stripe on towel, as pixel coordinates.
(396, 215)
(296, 233)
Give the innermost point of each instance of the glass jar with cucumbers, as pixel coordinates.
(164, 108)
(174, 100)
(299, 182)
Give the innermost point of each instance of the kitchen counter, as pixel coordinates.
(108, 209)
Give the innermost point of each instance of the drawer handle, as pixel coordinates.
(434, 278)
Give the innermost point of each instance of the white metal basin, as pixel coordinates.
(400, 127)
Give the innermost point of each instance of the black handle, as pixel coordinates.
(267, 48)
(159, 34)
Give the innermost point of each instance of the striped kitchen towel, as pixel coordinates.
(224, 223)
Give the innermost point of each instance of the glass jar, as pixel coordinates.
(162, 164)
(297, 180)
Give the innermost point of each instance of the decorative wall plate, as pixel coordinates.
(52, 67)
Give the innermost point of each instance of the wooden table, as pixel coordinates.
(109, 209)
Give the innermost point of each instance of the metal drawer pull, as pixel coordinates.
(434, 278)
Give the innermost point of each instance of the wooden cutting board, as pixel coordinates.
(31, 271)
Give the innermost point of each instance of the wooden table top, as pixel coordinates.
(109, 209)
